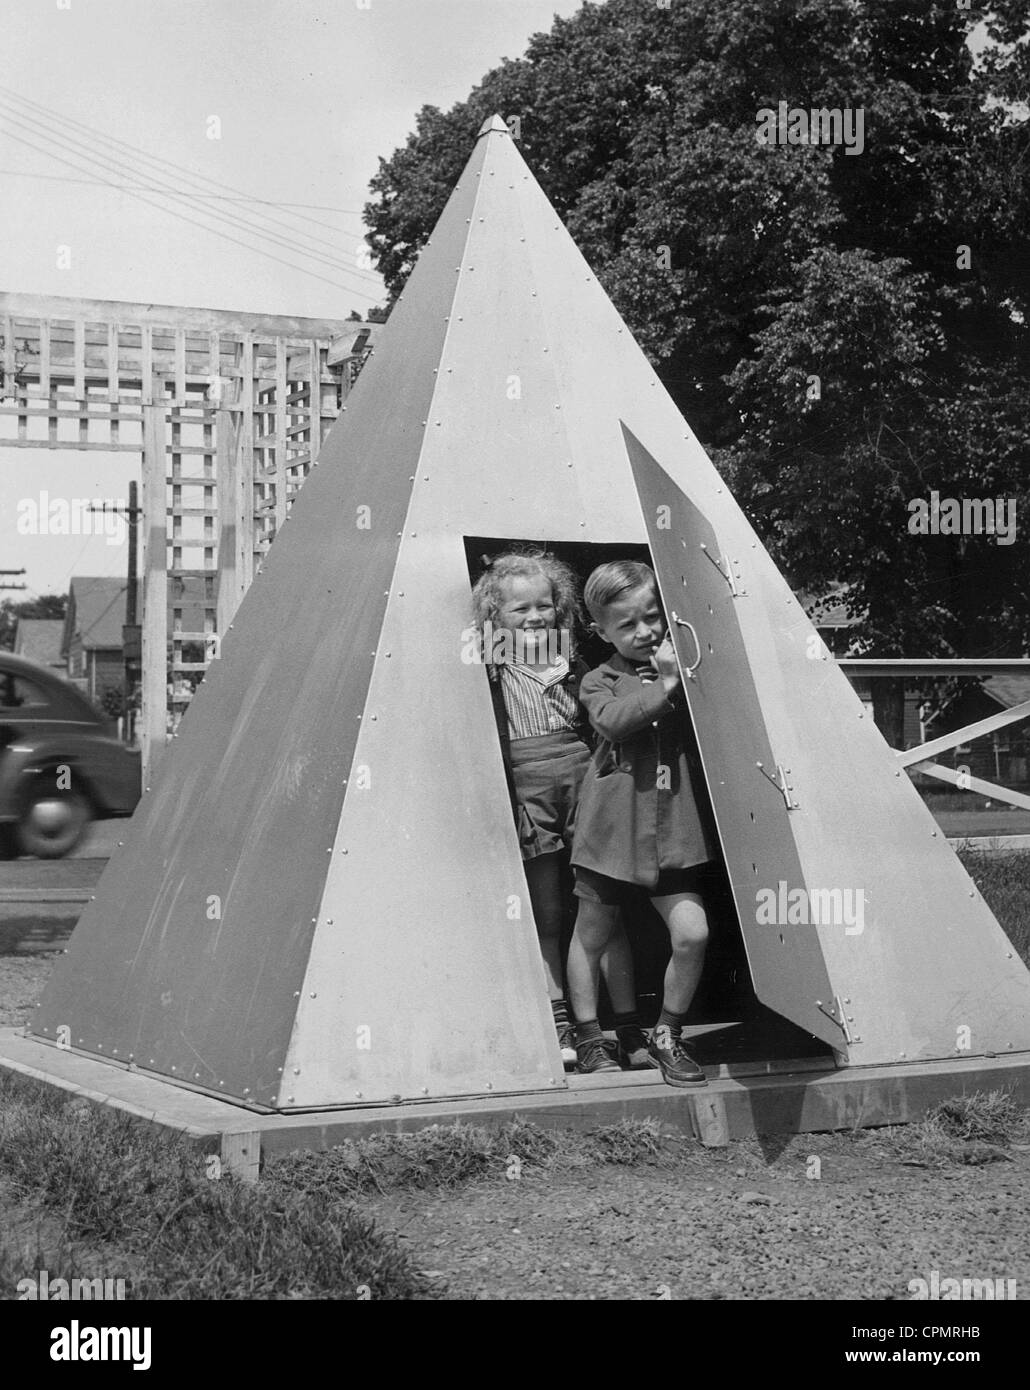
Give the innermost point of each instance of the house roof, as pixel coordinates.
(1012, 688)
(40, 639)
(97, 609)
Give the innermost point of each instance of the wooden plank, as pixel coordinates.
(315, 405)
(76, 445)
(281, 421)
(180, 365)
(112, 362)
(66, 409)
(246, 540)
(165, 316)
(44, 359)
(79, 359)
(153, 716)
(214, 365)
(241, 1154)
(790, 1104)
(147, 364)
(7, 329)
(709, 1117)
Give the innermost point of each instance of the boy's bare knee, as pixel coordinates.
(688, 936)
(595, 925)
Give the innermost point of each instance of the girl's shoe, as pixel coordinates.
(594, 1056)
(633, 1050)
(567, 1043)
(678, 1067)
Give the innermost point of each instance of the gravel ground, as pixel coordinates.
(747, 1222)
(21, 983)
(730, 1224)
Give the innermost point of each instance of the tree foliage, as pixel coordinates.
(810, 310)
(45, 606)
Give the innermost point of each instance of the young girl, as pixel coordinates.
(525, 607)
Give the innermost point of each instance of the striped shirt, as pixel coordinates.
(537, 702)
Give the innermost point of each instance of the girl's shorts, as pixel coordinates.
(547, 772)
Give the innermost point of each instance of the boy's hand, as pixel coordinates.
(663, 659)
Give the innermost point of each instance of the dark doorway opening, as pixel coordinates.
(727, 1021)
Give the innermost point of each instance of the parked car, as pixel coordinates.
(60, 763)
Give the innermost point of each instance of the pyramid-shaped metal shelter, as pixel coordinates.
(320, 901)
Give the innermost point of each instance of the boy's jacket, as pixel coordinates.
(643, 806)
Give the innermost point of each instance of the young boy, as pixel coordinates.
(643, 823)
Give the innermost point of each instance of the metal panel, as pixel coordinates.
(425, 978)
(751, 813)
(191, 958)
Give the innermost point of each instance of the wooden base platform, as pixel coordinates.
(741, 1100)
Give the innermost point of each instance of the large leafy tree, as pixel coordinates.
(845, 331)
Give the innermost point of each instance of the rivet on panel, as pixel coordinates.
(296, 1071)
(358, 1094)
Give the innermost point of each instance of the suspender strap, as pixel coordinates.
(501, 717)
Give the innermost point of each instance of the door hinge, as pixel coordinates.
(725, 567)
(781, 784)
(837, 1011)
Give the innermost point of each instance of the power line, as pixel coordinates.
(224, 197)
(133, 152)
(214, 231)
(112, 164)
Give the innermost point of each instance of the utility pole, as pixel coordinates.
(12, 586)
(131, 630)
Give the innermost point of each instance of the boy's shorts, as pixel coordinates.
(594, 887)
(547, 772)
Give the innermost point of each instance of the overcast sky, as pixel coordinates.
(302, 97)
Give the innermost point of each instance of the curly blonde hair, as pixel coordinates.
(488, 593)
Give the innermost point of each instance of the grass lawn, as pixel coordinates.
(89, 1193)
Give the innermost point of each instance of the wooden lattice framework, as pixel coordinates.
(228, 412)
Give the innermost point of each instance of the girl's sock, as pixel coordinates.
(560, 1009)
(588, 1032)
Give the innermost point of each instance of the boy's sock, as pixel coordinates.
(590, 1031)
(630, 1020)
(674, 1022)
(560, 1009)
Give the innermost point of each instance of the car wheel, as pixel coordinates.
(53, 822)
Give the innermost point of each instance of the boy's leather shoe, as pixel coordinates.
(594, 1056)
(678, 1067)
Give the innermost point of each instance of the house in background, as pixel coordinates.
(92, 638)
(41, 639)
(1002, 756)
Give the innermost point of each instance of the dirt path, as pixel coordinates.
(726, 1225)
